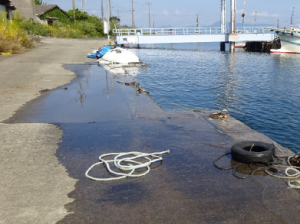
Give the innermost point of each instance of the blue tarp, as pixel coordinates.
(102, 51)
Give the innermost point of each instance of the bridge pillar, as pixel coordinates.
(232, 46)
(223, 16)
(222, 46)
(232, 24)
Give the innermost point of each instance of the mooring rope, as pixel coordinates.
(295, 184)
(291, 172)
(127, 165)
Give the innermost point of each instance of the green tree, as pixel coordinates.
(40, 2)
(114, 19)
(79, 15)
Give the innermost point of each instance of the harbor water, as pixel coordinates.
(262, 90)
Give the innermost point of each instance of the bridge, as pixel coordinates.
(191, 35)
(197, 34)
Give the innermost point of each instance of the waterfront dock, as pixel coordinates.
(42, 173)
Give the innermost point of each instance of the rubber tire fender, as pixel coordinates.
(261, 152)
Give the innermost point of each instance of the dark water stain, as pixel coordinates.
(95, 115)
(92, 96)
(128, 192)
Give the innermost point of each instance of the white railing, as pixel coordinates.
(186, 31)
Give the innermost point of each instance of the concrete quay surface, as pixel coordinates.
(33, 185)
(43, 165)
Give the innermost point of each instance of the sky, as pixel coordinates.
(182, 13)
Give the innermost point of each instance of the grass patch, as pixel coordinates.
(14, 34)
(12, 37)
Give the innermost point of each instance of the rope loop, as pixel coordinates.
(128, 165)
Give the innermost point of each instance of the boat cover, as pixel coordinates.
(99, 53)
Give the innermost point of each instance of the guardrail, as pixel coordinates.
(186, 31)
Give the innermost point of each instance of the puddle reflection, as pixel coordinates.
(109, 90)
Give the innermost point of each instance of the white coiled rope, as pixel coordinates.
(295, 184)
(291, 173)
(129, 164)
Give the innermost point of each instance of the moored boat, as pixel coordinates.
(290, 41)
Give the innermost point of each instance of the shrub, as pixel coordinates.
(35, 28)
(12, 37)
(88, 29)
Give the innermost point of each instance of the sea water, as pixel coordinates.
(262, 90)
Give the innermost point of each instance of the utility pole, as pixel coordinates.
(149, 3)
(108, 13)
(153, 22)
(278, 23)
(132, 14)
(102, 13)
(109, 8)
(74, 9)
(197, 21)
(255, 18)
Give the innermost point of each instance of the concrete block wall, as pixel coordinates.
(2, 8)
(26, 8)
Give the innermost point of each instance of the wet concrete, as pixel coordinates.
(34, 186)
(99, 115)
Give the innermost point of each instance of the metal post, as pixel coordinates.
(292, 18)
(108, 17)
(223, 22)
(244, 13)
(223, 16)
(153, 22)
(132, 15)
(232, 23)
(109, 9)
(74, 9)
(149, 3)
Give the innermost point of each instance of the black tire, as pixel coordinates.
(261, 152)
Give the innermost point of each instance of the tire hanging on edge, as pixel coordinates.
(253, 152)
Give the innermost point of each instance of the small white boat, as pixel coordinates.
(121, 57)
(290, 41)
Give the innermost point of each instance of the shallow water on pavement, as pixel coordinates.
(95, 115)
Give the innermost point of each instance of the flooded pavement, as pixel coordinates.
(99, 115)
(34, 186)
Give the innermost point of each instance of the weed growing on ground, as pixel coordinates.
(14, 34)
(12, 37)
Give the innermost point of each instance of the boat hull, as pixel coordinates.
(290, 44)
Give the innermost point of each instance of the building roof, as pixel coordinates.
(8, 4)
(42, 9)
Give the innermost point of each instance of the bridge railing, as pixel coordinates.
(186, 31)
